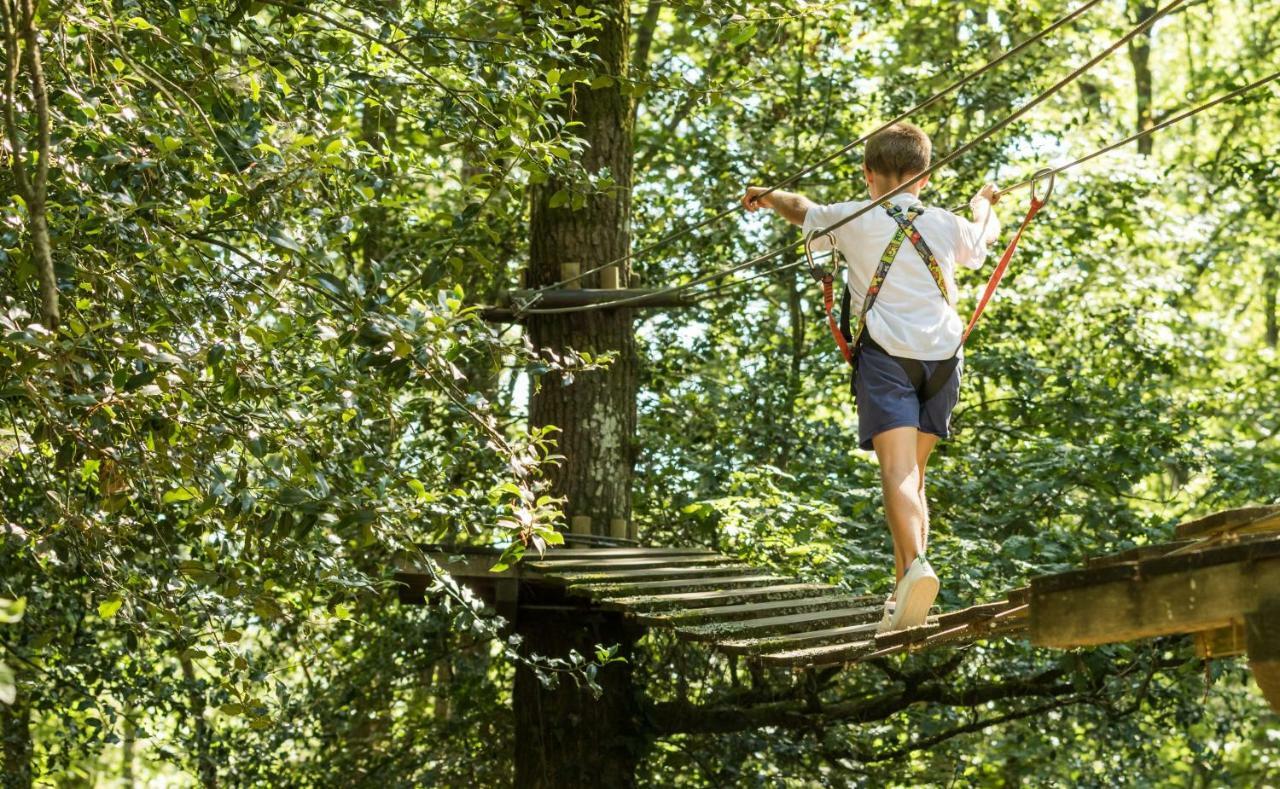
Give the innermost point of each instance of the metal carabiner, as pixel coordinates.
(815, 271)
(1035, 179)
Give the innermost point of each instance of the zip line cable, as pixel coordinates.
(1053, 171)
(901, 188)
(797, 175)
(703, 295)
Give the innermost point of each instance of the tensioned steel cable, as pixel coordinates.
(1052, 171)
(797, 175)
(901, 188)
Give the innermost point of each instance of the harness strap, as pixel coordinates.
(942, 373)
(905, 231)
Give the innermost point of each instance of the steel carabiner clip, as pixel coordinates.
(819, 273)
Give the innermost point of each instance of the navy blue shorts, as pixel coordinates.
(888, 398)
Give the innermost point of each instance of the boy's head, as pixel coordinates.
(896, 154)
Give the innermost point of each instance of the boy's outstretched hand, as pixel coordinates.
(990, 193)
(752, 201)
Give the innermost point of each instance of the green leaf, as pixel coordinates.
(184, 493)
(109, 607)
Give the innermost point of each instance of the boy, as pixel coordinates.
(909, 330)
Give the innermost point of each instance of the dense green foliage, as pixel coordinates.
(271, 222)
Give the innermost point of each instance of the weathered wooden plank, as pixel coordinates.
(819, 656)
(729, 613)
(567, 554)
(652, 574)
(671, 601)
(911, 635)
(1230, 520)
(701, 584)
(786, 623)
(800, 640)
(1245, 548)
(1136, 554)
(1019, 596)
(973, 613)
(1200, 597)
(628, 563)
(1076, 579)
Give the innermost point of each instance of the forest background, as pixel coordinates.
(242, 373)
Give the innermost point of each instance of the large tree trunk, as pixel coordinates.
(595, 413)
(565, 737)
(1140, 57)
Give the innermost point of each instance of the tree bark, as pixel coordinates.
(15, 731)
(594, 412)
(206, 768)
(1271, 300)
(1140, 57)
(565, 737)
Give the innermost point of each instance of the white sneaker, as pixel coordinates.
(916, 592)
(887, 619)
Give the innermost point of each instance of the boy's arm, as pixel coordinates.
(980, 233)
(789, 205)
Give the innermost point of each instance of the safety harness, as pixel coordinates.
(850, 342)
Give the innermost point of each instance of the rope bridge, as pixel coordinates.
(1219, 581)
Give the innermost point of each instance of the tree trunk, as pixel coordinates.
(206, 768)
(1140, 57)
(564, 736)
(15, 731)
(1271, 300)
(595, 412)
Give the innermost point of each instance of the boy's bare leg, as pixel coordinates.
(901, 479)
(925, 442)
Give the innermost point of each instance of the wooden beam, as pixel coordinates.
(1237, 520)
(1186, 593)
(856, 633)
(1221, 642)
(819, 656)
(559, 554)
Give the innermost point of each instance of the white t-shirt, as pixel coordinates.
(910, 317)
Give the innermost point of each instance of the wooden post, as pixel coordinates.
(1262, 634)
(580, 524)
(618, 527)
(609, 278)
(568, 271)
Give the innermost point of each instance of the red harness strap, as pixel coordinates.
(998, 274)
(829, 303)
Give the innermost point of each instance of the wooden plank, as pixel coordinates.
(628, 563)
(701, 584)
(786, 623)
(729, 613)
(1202, 597)
(802, 640)
(1137, 554)
(973, 613)
(819, 656)
(672, 601)
(1246, 548)
(1019, 596)
(911, 635)
(1076, 579)
(558, 554)
(652, 574)
(1229, 520)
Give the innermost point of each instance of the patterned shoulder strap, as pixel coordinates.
(906, 224)
(882, 271)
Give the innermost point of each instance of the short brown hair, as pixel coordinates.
(902, 149)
